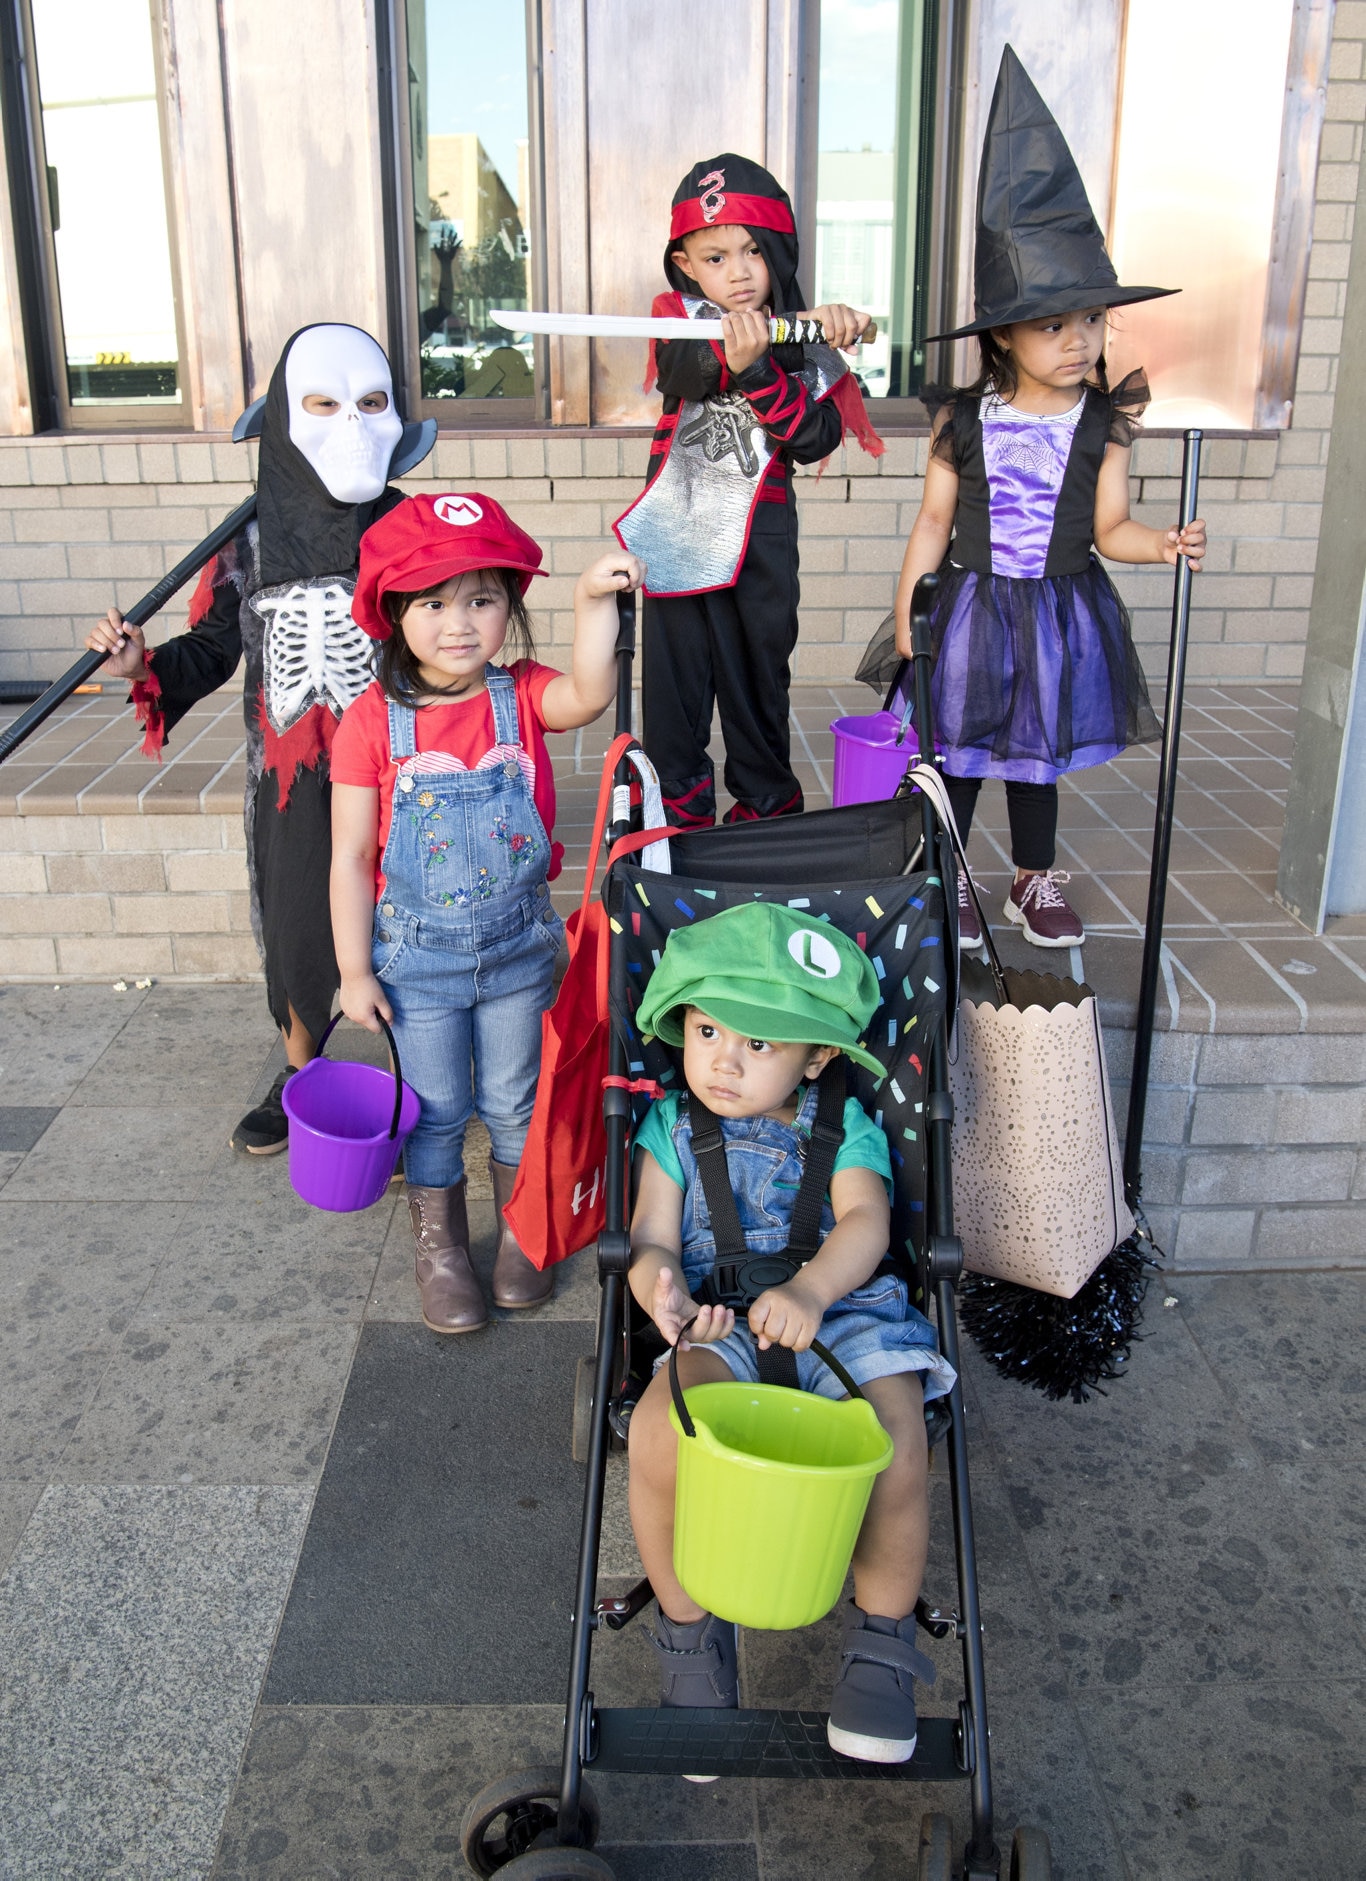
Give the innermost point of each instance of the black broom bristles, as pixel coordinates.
(1064, 1348)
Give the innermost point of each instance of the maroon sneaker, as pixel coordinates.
(969, 927)
(1036, 904)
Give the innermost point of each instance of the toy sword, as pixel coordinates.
(643, 327)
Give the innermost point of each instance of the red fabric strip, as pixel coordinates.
(732, 209)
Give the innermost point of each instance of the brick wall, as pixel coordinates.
(84, 522)
(90, 897)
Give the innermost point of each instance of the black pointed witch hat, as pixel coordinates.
(1039, 247)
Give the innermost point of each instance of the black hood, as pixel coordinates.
(778, 249)
(305, 532)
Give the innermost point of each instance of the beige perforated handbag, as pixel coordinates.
(1038, 1189)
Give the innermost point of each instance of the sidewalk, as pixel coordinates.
(288, 1577)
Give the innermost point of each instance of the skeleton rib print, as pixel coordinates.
(313, 652)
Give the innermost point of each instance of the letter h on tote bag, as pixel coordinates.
(558, 1201)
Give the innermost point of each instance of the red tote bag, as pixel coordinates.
(558, 1200)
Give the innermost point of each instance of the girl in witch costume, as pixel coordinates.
(279, 596)
(717, 524)
(1035, 670)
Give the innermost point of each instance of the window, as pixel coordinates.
(873, 178)
(101, 248)
(469, 169)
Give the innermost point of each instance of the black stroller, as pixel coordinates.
(882, 873)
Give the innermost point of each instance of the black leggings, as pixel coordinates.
(1033, 812)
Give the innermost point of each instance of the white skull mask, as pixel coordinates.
(350, 449)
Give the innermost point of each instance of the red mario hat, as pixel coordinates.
(428, 539)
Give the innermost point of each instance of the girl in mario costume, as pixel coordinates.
(443, 806)
(717, 523)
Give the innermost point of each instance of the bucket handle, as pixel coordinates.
(328, 1030)
(680, 1403)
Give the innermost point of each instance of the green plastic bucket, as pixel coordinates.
(773, 1485)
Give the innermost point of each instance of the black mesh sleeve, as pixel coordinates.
(1128, 401)
(937, 398)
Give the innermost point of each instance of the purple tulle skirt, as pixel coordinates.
(1032, 677)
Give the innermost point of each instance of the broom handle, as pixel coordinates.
(1162, 835)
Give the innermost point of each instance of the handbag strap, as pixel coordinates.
(927, 779)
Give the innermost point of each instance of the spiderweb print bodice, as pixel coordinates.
(1026, 459)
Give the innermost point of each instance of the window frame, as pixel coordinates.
(36, 254)
(400, 259)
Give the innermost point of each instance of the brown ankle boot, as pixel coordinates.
(515, 1281)
(451, 1297)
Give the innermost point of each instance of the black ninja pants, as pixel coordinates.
(730, 650)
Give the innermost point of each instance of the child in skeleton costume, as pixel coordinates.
(279, 597)
(1035, 669)
(717, 524)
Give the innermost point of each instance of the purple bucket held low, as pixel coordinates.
(869, 763)
(347, 1127)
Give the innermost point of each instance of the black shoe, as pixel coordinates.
(264, 1131)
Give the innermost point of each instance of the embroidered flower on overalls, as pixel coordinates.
(427, 799)
(485, 882)
(436, 850)
(520, 846)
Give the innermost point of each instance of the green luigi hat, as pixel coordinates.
(769, 972)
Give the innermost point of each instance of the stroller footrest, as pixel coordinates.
(693, 1741)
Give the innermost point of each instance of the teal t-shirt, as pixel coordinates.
(864, 1145)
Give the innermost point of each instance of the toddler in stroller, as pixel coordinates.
(763, 1191)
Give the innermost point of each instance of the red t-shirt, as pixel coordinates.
(463, 729)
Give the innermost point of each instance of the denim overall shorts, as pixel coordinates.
(465, 939)
(873, 1331)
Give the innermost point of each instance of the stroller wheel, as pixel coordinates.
(936, 1849)
(509, 1816)
(560, 1864)
(1031, 1858)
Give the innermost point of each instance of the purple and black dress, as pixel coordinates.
(1035, 670)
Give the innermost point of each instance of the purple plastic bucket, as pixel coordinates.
(869, 763)
(347, 1127)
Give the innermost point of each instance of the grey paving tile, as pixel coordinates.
(207, 1043)
(1285, 1349)
(439, 1561)
(354, 1793)
(1153, 1503)
(112, 1154)
(1220, 1783)
(10, 1160)
(204, 1403)
(46, 1380)
(17, 1501)
(134, 1629)
(267, 1258)
(78, 1268)
(21, 1125)
(50, 1039)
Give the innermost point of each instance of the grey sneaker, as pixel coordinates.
(872, 1712)
(698, 1665)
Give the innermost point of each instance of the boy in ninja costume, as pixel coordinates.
(717, 524)
(279, 595)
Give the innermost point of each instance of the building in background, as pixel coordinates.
(185, 184)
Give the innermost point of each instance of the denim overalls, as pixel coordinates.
(873, 1331)
(465, 940)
